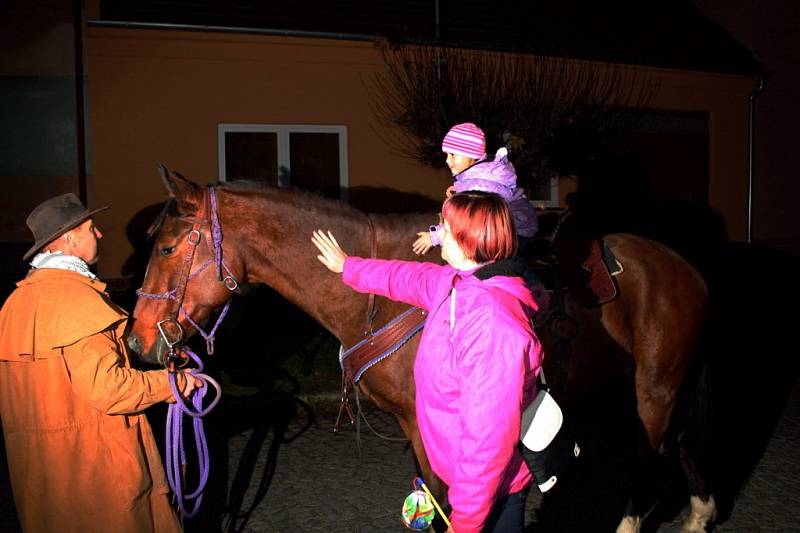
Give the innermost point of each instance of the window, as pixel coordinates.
(544, 194)
(306, 157)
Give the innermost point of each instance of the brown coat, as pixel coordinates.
(81, 454)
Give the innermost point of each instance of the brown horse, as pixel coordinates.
(650, 332)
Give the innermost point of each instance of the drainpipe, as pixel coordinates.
(436, 15)
(80, 112)
(438, 41)
(751, 119)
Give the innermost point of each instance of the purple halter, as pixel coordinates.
(177, 293)
(176, 452)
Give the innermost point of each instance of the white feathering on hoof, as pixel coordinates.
(701, 515)
(630, 524)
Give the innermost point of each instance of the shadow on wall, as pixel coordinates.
(135, 266)
(12, 267)
(385, 201)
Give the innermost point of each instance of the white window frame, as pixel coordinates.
(283, 132)
(552, 201)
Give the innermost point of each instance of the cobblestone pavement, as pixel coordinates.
(321, 484)
(303, 478)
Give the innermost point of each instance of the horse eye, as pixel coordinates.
(167, 250)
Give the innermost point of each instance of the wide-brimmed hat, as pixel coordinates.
(55, 216)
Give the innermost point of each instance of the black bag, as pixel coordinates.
(546, 445)
(552, 462)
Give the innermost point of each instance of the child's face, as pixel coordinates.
(459, 163)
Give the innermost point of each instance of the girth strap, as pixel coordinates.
(373, 253)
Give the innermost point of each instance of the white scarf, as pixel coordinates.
(62, 261)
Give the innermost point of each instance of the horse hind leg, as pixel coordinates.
(649, 466)
(696, 455)
(655, 404)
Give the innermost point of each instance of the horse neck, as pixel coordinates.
(273, 241)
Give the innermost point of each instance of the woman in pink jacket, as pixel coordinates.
(478, 359)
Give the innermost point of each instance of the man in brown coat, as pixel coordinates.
(81, 454)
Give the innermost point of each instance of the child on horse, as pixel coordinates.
(465, 146)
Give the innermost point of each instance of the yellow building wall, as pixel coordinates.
(158, 96)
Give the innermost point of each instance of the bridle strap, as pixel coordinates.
(194, 236)
(373, 253)
(193, 239)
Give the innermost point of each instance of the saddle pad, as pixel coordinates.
(383, 343)
(585, 270)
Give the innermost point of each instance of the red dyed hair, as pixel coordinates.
(481, 225)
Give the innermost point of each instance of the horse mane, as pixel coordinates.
(295, 197)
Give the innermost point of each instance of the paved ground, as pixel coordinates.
(320, 484)
(300, 477)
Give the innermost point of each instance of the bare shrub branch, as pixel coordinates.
(556, 114)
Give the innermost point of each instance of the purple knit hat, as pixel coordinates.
(465, 139)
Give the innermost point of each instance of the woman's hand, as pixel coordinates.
(423, 243)
(331, 254)
(451, 190)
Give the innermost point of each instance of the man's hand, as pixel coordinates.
(188, 384)
(423, 243)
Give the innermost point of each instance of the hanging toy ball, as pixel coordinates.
(418, 511)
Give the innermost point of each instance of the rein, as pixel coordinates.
(178, 355)
(176, 450)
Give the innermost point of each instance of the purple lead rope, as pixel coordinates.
(176, 451)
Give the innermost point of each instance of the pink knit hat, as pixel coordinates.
(465, 139)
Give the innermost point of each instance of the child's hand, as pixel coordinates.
(451, 190)
(423, 243)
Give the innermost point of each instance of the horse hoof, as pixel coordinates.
(702, 514)
(630, 524)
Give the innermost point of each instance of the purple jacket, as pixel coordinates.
(500, 177)
(474, 374)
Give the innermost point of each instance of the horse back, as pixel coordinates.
(663, 302)
(654, 322)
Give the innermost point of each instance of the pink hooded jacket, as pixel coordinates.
(474, 374)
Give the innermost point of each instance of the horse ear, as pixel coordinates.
(186, 194)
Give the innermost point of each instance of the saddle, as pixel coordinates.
(584, 267)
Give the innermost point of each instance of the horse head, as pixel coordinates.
(186, 277)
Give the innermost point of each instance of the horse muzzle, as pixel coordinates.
(155, 354)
